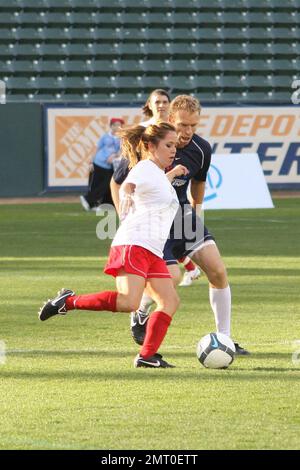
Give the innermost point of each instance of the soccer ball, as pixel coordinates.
(215, 351)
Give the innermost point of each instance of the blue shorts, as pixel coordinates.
(187, 234)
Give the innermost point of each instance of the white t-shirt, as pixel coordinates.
(155, 206)
(148, 123)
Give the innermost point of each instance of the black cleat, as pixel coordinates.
(56, 306)
(138, 324)
(153, 362)
(239, 351)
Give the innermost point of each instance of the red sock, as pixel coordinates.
(187, 263)
(157, 327)
(106, 300)
(189, 266)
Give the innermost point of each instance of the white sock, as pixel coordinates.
(220, 301)
(145, 304)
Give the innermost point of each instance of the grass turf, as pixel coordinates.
(69, 383)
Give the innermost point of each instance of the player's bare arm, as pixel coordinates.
(179, 170)
(197, 195)
(126, 201)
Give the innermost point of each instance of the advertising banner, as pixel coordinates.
(273, 133)
(236, 182)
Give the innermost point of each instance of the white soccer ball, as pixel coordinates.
(215, 351)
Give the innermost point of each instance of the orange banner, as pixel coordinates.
(73, 135)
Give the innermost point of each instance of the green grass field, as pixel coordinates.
(69, 383)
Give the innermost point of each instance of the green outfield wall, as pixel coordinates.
(21, 151)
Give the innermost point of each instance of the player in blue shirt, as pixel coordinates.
(108, 150)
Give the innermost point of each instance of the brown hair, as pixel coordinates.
(185, 103)
(159, 91)
(135, 140)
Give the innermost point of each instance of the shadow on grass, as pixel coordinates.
(119, 353)
(268, 369)
(267, 355)
(89, 353)
(252, 355)
(70, 352)
(269, 272)
(277, 369)
(133, 375)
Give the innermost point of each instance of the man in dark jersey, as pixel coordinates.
(188, 235)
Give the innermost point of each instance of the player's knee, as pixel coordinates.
(176, 301)
(175, 273)
(176, 279)
(133, 305)
(127, 303)
(218, 275)
(172, 304)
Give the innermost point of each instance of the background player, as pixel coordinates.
(108, 150)
(156, 108)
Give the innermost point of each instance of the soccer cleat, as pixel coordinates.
(153, 362)
(138, 324)
(239, 351)
(85, 204)
(56, 306)
(189, 277)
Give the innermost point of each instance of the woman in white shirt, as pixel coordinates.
(148, 206)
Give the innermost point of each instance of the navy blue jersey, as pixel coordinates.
(122, 171)
(196, 157)
(187, 234)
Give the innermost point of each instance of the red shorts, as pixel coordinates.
(135, 260)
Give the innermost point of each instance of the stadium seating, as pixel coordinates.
(121, 49)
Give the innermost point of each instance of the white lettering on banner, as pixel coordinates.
(85, 141)
(90, 136)
(97, 128)
(271, 132)
(65, 165)
(71, 135)
(83, 169)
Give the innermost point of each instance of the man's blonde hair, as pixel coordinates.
(185, 103)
